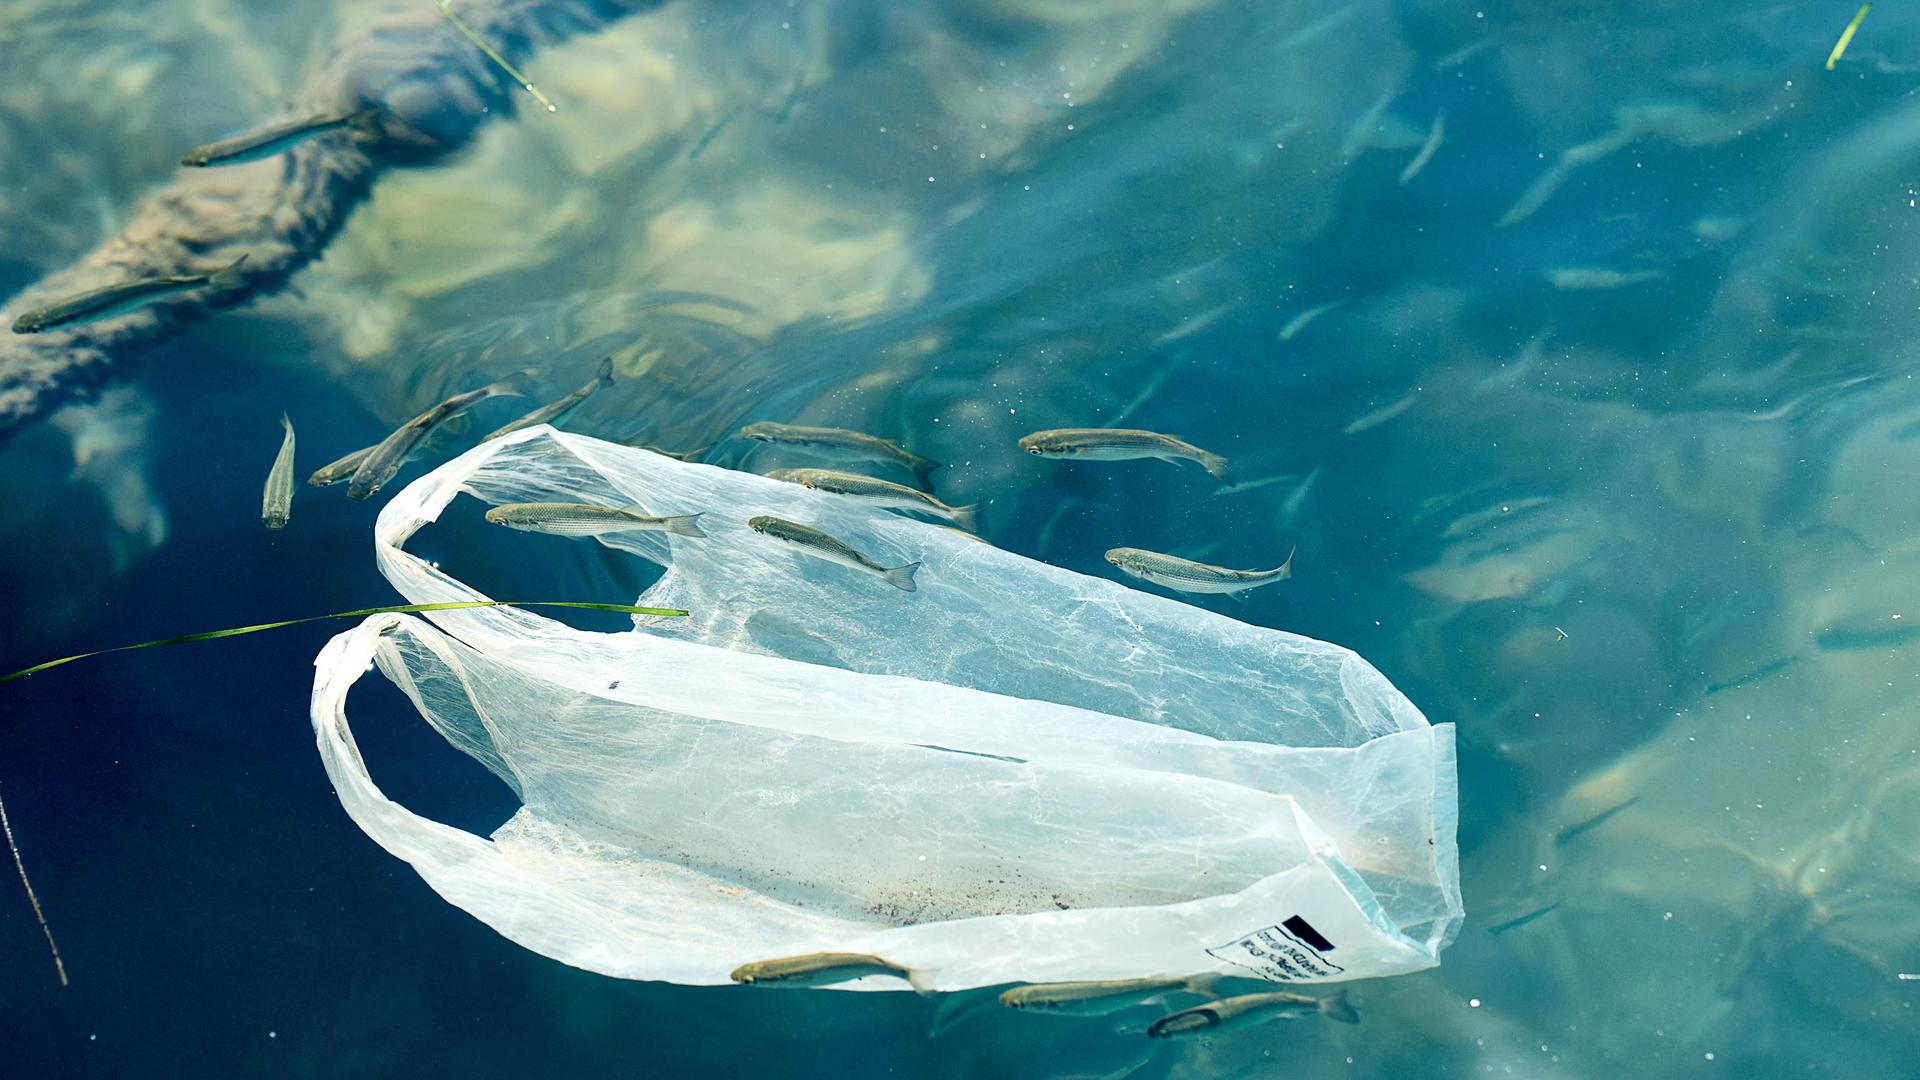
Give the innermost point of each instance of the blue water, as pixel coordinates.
(1648, 542)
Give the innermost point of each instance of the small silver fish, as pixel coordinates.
(588, 519)
(1360, 133)
(692, 457)
(1184, 575)
(1435, 135)
(1120, 444)
(816, 969)
(119, 299)
(276, 139)
(333, 473)
(1382, 414)
(276, 502)
(1580, 278)
(548, 413)
(1098, 998)
(1247, 1010)
(880, 493)
(840, 442)
(818, 544)
(384, 460)
(1291, 329)
(1715, 230)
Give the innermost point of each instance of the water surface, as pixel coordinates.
(1622, 487)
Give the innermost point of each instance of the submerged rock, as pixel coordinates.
(436, 90)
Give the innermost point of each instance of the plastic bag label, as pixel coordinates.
(1291, 952)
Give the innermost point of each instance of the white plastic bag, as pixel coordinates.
(1016, 773)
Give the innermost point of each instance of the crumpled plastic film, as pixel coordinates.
(1017, 773)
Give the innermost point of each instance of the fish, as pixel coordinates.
(1299, 322)
(276, 139)
(1382, 414)
(1150, 388)
(1470, 524)
(880, 493)
(821, 546)
(1435, 135)
(844, 443)
(333, 473)
(1522, 366)
(1296, 499)
(1596, 277)
(1360, 133)
(276, 502)
(1718, 229)
(1514, 924)
(1247, 1010)
(554, 410)
(1318, 28)
(588, 519)
(119, 299)
(1099, 998)
(384, 460)
(1549, 182)
(1121, 444)
(1463, 54)
(1761, 672)
(1574, 831)
(691, 457)
(1183, 575)
(817, 969)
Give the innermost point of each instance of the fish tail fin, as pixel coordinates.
(967, 517)
(922, 982)
(285, 424)
(901, 577)
(923, 470)
(229, 276)
(1217, 465)
(605, 374)
(1337, 1007)
(685, 525)
(366, 120)
(1285, 569)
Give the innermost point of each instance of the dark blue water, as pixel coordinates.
(1644, 531)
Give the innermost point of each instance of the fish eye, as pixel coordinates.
(1033, 449)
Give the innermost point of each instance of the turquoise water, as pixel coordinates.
(1603, 453)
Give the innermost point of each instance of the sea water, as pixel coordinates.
(1602, 445)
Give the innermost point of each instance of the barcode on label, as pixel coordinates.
(1293, 951)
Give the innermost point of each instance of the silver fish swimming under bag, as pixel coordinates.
(1016, 773)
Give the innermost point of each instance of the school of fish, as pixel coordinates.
(369, 469)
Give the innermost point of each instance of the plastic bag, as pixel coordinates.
(1017, 773)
